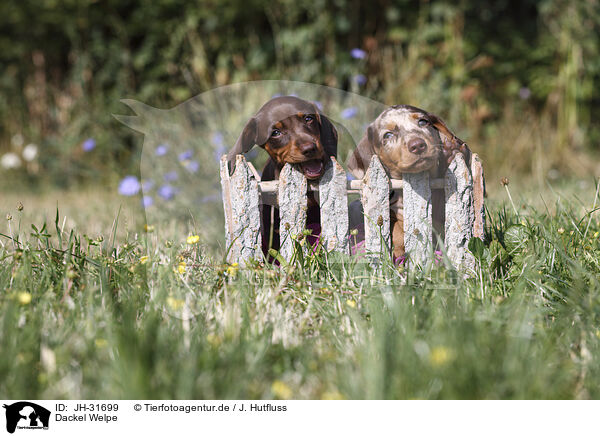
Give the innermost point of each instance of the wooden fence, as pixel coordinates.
(463, 187)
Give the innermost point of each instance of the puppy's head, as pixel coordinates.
(407, 140)
(291, 130)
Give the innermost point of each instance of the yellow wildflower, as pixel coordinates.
(560, 230)
(144, 259)
(440, 356)
(596, 234)
(351, 303)
(232, 269)
(181, 267)
(101, 342)
(175, 303)
(193, 239)
(24, 298)
(333, 395)
(148, 229)
(213, 340)
(281, 390)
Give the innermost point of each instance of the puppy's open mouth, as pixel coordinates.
(312, 169)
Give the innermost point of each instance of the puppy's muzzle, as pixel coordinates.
(308, 149)
(417, 146)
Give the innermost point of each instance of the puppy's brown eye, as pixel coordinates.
(309, 119)
(423, 122)
(388, 135)
(275, 133)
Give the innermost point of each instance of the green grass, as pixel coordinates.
(90, 317)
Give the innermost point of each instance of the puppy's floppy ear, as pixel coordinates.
(329, 135)
(451, 144)
(361, 157)
(245, 142)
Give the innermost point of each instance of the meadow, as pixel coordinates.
(112, 278)
(138, 311)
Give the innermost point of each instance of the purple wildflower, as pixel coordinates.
(129, 186)
(357, 53)
(438, 256)
(192, 166)
(349, 112)
(186, 155)
(166, 192)
(147, 184)
(171, 176)
(360, 79)
(217, 138)
(524, 93)
(161, 150)
(89, 144)
(147, 201)
(399, 260)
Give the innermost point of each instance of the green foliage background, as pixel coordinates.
(503, 73)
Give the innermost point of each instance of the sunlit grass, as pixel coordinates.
(152, 313)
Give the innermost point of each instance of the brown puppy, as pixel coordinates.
(408, 140)
(291, 130)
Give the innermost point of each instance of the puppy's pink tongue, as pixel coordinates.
(312, 168)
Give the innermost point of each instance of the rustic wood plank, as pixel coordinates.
(333, 201)
(417, 218)
(354, 186)
(459, 214)
(292, 207)
(478, 194)
(242, 213)
(375, 200)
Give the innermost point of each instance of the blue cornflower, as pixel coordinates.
(166, 192)
(129, 186)
(357, 53)
(186, 155)
(217, 138)
(349, 112)
(147, 184)
(192, 166)
(360, 79)
(171, 176)
(161, 150)
(147, 201)
(89, 144)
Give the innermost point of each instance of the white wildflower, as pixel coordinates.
(30, 152)
(10, 160)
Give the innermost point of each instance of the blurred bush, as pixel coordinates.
(509, 75)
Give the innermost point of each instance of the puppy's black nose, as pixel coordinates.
(417, 146)
(309, 149)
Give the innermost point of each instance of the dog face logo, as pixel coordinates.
(26, 415)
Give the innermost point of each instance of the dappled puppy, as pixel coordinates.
(407, 140)
(290, 130)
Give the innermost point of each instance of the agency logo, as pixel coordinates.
(26, 415)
